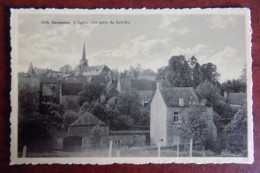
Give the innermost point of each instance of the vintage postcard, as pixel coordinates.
(131, 86)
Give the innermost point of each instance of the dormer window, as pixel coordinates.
(176, 117)
(181, 102)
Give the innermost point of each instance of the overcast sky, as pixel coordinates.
(150, 40)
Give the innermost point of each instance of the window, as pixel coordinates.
(117, 143)
(181, 102)
(175, 117)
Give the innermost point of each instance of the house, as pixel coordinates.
(49, 90)
(235, 100)
(165, 109)
(80, 132)
(144, 87)
(69, 90)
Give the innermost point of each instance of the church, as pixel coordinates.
(64, 84)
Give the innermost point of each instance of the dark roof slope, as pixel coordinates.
(139, 84)
(171, 96)
(71, 88)
(236, 98)
(87, 120)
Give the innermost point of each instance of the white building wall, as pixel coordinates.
(158, 116)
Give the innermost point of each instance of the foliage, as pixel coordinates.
(69, 117)
(194, 123)
(96, 131)
(234, 86)
(120, 121)
(33, 125)
(91, 92)
(178, 72)
(237, 130)
(72, 105)
(209, 91)
(86, 107)
(195, 71)
(28, 100)
(209, 72)
(129, 104)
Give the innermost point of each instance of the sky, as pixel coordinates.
(149, 40)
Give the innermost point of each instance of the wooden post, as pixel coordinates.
(110, 148)
(191, 147)
(178, 147)
(24, 151)
(203, 151)
(117, 153)
(159, 150)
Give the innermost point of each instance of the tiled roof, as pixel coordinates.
(87, 120)
(93, 70)
(139, 84)
(236, 98)
(71, 88)
(171, 96)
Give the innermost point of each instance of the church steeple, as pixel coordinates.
(83, 64)
(31, 70)
(84, 53)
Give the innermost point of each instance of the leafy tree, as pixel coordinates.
(161, 73)
(69, 117)
(194, 123)
(178, 72)
(210, 92)
(195, 71)
(129, 104)
(234, 86)
(86, 107)
(237, 131)
(242, 77)
(91, 92)
(28, 100)
(209, 72)
(72, 105)
(119, 121)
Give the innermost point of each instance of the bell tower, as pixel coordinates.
(83, 62)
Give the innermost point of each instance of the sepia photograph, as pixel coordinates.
(131, 86)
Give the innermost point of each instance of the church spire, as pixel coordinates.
(30, 70)
(83, 64)
(84, 53)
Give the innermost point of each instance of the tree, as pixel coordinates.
(237, 130)
(209, 72)
(72, 104)
(28, 100)
(129, 104)
(178, 72)
(195, 71)
(91, 92)
(118, 121)
(210, 92)
(242, 77)
(194, 123)
(69, 117)
(234, 86)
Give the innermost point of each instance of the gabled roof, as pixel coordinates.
(139, 84)
(171, 96)
(236, 98)
(71, 88)
(87, 119)
(93, 70)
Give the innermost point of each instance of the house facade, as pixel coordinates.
(165, 114)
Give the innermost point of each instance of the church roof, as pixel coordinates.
(171, 96)
(236, 98)
(139, 84)
(93, 70)
(87, 119)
